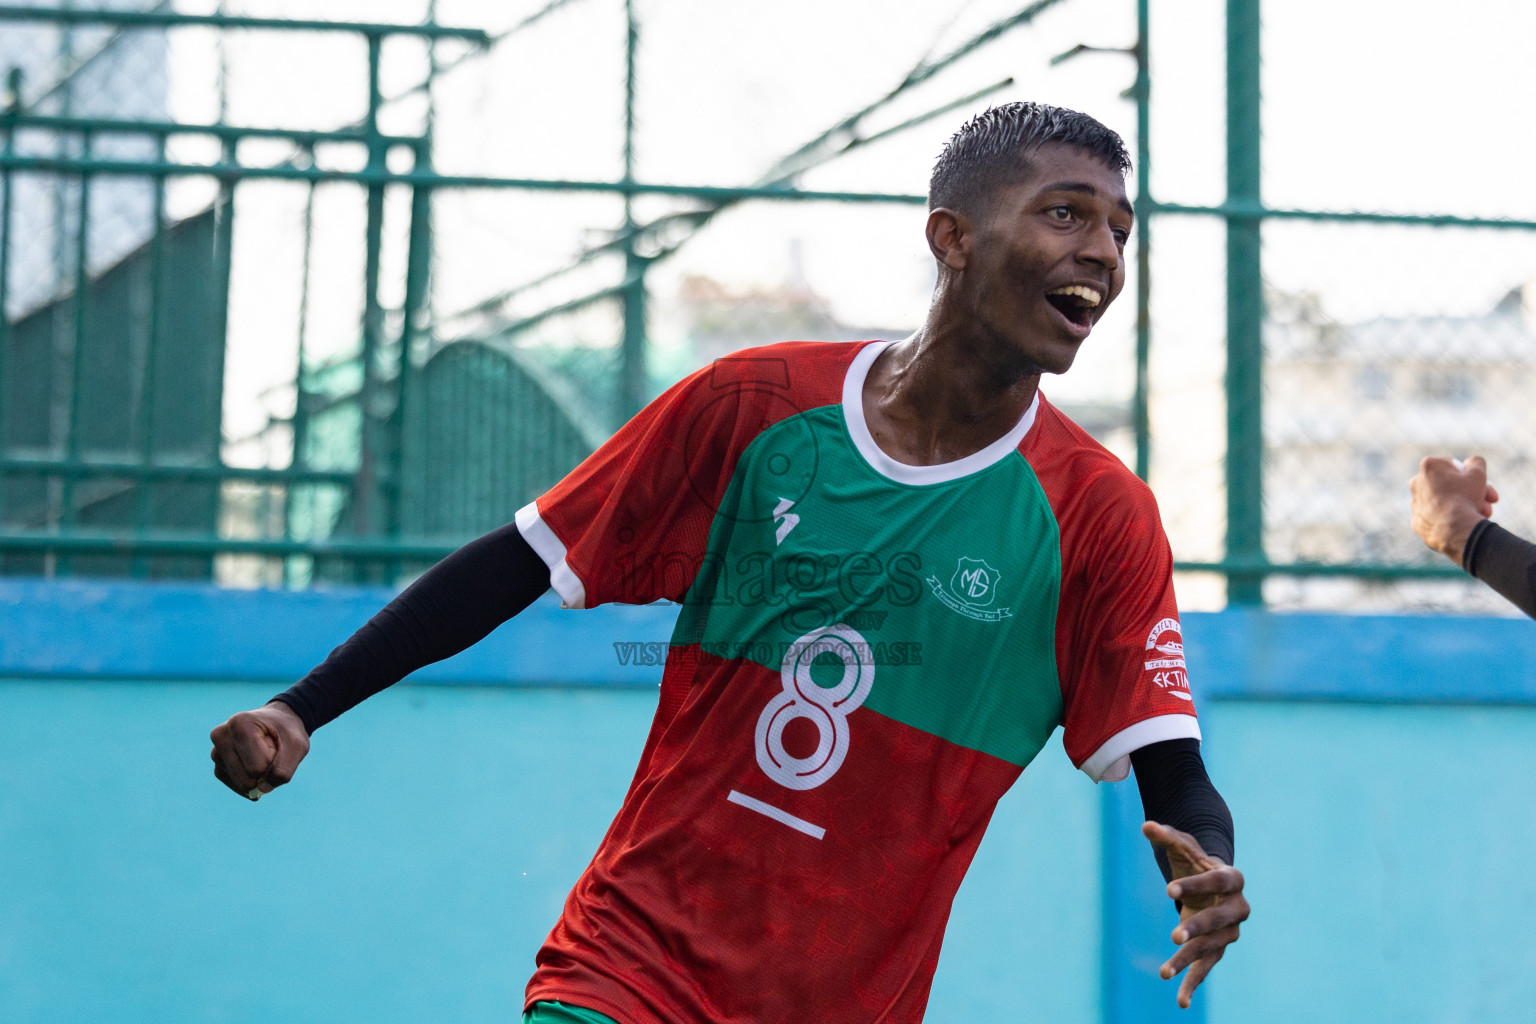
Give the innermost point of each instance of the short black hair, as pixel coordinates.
(993, 149)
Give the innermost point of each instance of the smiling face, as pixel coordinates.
(1036, 270)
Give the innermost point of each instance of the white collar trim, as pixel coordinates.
(858, 430)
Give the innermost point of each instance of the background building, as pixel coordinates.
(1352, 408)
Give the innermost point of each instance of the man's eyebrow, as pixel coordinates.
(1086, 189)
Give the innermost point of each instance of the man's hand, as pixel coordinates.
(1448, 500)
(257, 751)
(1214, 906)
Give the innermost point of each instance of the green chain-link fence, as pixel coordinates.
(275, 352)
(1354, 344)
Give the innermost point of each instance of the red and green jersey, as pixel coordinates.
(867, 655)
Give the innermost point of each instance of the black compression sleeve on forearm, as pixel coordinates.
(453, 605)
(1504, 562)
(1176, 791)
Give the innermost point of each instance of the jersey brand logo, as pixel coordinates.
(972, 590)
(1165, 659)
(786, 519)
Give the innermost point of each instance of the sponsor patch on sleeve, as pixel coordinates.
(1164, 664)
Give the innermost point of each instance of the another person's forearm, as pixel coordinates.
(1503, 561)
(452, 606)
(1176, 791)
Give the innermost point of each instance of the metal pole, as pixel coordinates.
(417, 277)
(67, 15)
(632, 355)
(299, 459)
(77, 353)
(7, 180)
(373, 315)
(146, 411)
(60, 213)
(1245, 306)
(223, 258)
(1141, 420)
(59, 494)
(429, 127)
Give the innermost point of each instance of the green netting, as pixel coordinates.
(491, 435)
(150, 372)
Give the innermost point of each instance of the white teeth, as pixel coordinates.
(1088, 295)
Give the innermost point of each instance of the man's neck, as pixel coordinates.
(945, 393)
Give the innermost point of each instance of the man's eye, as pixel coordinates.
(1121, 237)
(1060, 213)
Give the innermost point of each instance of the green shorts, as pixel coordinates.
(561, 1013)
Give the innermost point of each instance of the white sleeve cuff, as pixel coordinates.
(548, 547)
(1112, 761)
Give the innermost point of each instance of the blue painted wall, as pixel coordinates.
(413, 868)
(1384, 822)
(1390, 852)
(428, 843)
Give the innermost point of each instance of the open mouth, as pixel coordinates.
(1076, 302)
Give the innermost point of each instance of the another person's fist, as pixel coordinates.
(257, 751)
(1449, 498)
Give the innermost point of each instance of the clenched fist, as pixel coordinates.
(257, 751)
(1449, 497)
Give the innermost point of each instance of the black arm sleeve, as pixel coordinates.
(1176, 791)
(452, 606)
(1504, 562)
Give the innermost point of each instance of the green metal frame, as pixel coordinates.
(365, 485)
(1245, 307)
(174, 19)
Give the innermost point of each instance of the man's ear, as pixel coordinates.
(949, 237)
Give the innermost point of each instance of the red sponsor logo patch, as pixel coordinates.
(1165, 659)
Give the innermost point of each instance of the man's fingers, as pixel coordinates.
(1475, 464)
(223, 776)
(290, 751)
(1196, 974)
(1429, 463)
(1197, 948)
(1215, 882)
(1221, 919)
(1162, 836)
(1180, 846)
(231, 772)
(255, 747)
(242, 753)
(1185, 955)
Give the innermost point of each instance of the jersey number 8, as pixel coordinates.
(826, 706)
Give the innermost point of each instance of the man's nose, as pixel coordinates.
(1099, 248)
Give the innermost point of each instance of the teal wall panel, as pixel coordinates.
(167, 631)
(414, 866)
(1388, 854)
(408, 875)
(1377, 768)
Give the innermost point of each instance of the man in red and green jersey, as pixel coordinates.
(900, 568)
